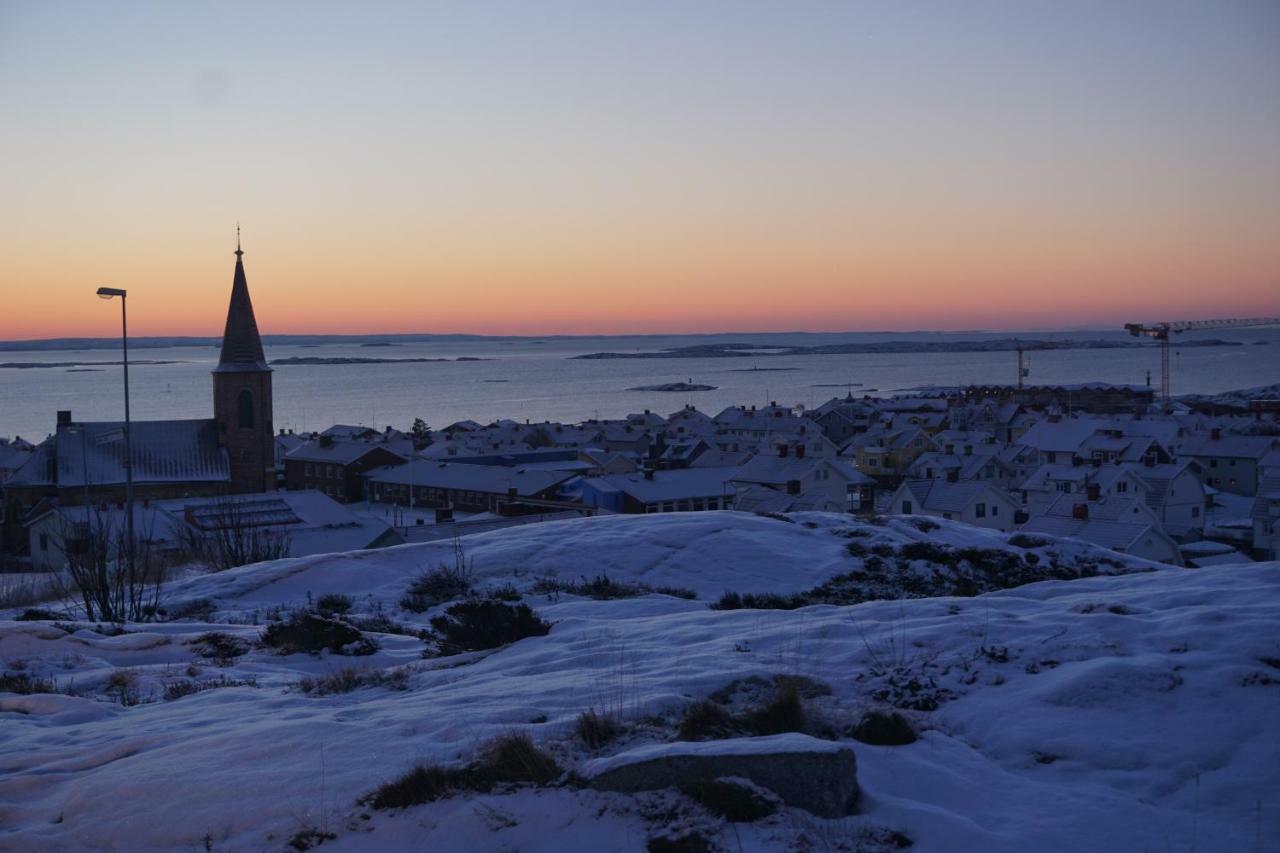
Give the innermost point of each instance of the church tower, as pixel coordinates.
(242, 393)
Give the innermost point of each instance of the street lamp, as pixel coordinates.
(110, 293)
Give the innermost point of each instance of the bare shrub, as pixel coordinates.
(307, 631)
(111, 577)
(509, 759)
(443, 583)
(350, 678)
(219, 647)
(474, 625)
(228, 534)
(188, 687)
(596, 728)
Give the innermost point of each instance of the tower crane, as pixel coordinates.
(1161, 332)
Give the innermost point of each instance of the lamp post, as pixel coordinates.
(110, 293)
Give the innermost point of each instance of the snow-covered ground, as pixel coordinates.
(1129, 711)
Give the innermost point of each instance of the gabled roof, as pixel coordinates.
(241, 344)
(163, 452)
(337, 452)
(942, 496)
(778, 471)
(1108, 534)
(492, 479)
(1235, 446)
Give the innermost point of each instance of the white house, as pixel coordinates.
(978, 503)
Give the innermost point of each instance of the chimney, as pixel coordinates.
(799, 451)
(648, 473)
(1080, 512)
(793, 487)
(1094, 491)
(326, 441)
(512, 493)
(64, 417)
(953, 476)
(1215, 434)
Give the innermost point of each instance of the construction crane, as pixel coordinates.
(1161, 332)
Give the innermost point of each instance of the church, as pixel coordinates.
(230, 453)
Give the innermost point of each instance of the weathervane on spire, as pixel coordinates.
(238, 250)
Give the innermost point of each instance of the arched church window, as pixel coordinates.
(246, 409)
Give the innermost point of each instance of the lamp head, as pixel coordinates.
(108, 292)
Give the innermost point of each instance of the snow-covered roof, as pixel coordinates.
(163, 452)
(1108, 534)
(944, 496)
(1228, 445)
(492, 479)
(337, 452)
(778, 470)
(678, 484)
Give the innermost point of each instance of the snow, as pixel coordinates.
(1126, 712)
(767, 745)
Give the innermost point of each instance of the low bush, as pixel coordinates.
(509, 759)
(306, 631)
(436, 586)
(705, 720)
(122, 687)
(334, 604)
(38, 614)
(690, 842)
(479, 624)
(308, 837)
(596, 729)
(734, 801)
(883, 728)
(25, 685)
(380, 623)
(784, 712)
(350, 678)
(1024, 540)
(219, 647)
(197, 608)
(604, 588)
(761, 601)
(187, 687)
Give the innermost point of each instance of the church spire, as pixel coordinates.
(241, 344)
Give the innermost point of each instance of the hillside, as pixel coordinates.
(1131, 709)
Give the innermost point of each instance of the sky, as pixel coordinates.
(600, 167)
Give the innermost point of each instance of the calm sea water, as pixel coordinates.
(537, 379)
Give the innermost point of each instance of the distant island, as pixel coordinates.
(323, 360)
(36, 365)
(740, 350)
(674, 386)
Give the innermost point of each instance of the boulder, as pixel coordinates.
(819, 776)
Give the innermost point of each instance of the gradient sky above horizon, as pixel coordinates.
(600, 167)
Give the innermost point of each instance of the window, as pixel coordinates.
(980, 510)
(1195, 512)
(1122, 487)
(44, 541)
(245, 409)
(307, 469)
(906, 507)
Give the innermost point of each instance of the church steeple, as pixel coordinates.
(242, 404)
(241, 344)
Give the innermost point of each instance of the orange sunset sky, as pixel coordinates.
(540, 168)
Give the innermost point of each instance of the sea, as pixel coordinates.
(539, 379)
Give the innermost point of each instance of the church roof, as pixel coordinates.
(241, 344)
